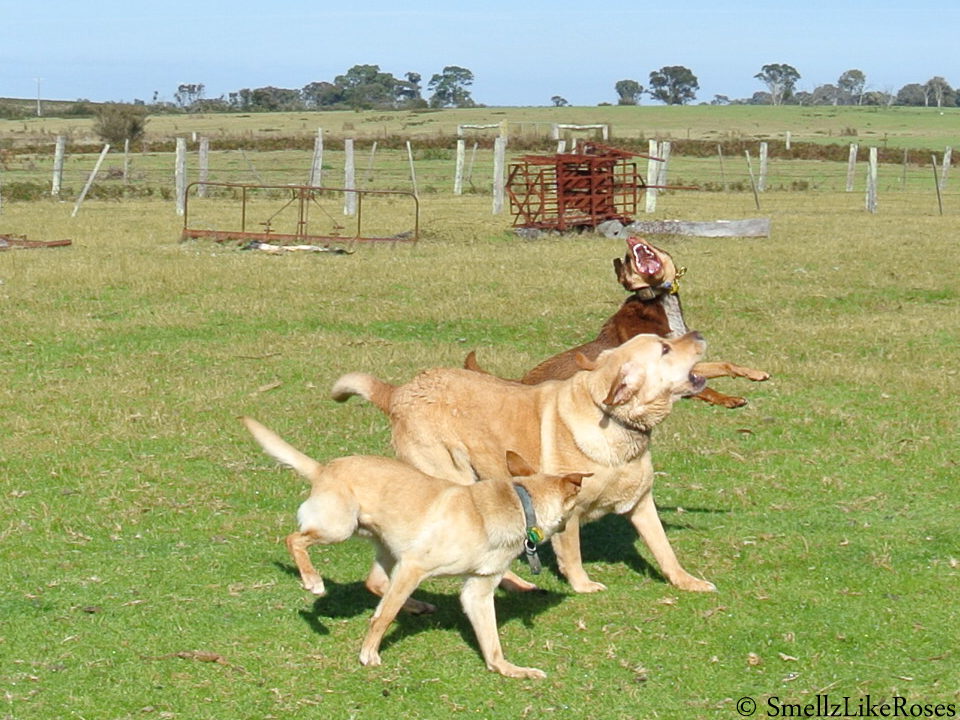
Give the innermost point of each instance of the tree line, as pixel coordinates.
(367, 87)
(677, 85)
(359, 88)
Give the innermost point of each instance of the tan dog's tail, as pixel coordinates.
(281, 450)
(366, 386)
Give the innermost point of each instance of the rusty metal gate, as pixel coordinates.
(297, 200)
(575, 190)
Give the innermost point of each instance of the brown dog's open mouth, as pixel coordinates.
(644, 259)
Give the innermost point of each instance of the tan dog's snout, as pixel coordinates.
(695, 344)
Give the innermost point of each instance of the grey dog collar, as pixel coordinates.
(533, 535)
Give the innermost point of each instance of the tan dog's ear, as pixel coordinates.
(583, 362)
(517, 466)
(576, 478)
(623, 387)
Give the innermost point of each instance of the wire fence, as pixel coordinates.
(431, 169)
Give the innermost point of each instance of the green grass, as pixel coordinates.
(139, 522)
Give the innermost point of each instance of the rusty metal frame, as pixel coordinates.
(20, 242)
(303, 196)
(576, 190)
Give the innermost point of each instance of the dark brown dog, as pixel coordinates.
(653, 308)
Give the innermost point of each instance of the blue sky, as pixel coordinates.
(521, 53)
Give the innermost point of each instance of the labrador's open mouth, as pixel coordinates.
(697, 383)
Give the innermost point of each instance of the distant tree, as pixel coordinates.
(877, 98)
(117, 122)
(720, 100)
(82, 108)
(852, 84)
(673, 85)
(365, 86)
(826, 95)
(449, 88)
(912, 94)
(780, 80)
(188, 94)
(628, 92)
(319, 95)
(939, 91)
(270, 99)
(559, 101)
(210, 105)
(407, 92)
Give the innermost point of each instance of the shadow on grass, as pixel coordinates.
(348, 600)
(613, 539)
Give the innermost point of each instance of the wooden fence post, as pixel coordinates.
(871, 202)
(499, 170)
(368, 177)
(180, 175)
(945, 169)
(204, 171)
(458, 170)
(664, 154)
(851, 165)
(936, 182)
(316, 165)
(753, 182)
(413, 172)
(762, 182)
(58, 165)
(93, 175)
(653, 174)
(349, 179)
(126, 161)
(723, 175)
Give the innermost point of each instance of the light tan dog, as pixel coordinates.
(423, 527)
(457, 424)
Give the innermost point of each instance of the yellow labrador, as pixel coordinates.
(424, 527)
(457, 424)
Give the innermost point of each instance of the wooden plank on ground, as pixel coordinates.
(751, 227)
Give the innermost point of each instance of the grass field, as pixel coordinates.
(142, 570)
(895, 127)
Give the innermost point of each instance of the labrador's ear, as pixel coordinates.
(517, 466)
(576, 479)
(583, 362)
(628, 381)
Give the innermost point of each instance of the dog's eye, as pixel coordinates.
(664, 348)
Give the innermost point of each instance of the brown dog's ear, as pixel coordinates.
(618, 269)
(470, 361)
(517, 466)
(583, 362)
